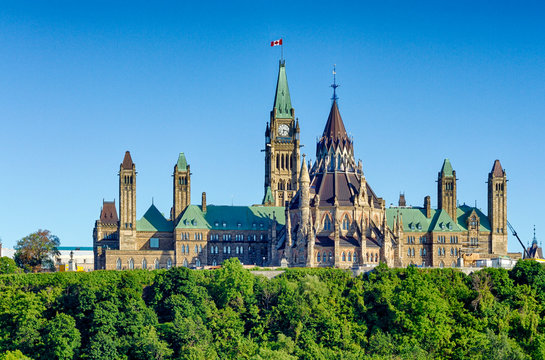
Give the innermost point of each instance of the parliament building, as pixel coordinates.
(320, 214)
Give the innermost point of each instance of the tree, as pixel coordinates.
(8, 266)
(61, 337)
(37, 250)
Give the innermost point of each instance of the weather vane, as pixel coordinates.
(334, 85)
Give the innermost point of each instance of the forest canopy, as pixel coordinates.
(229, 313)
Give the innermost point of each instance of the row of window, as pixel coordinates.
(474, 241)
(345, 223)
(224, 237)
(185, 249)
(127, 179)
(283, 161)
(130, 264)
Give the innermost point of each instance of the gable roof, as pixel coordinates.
(415, 220)
(224, 217)
(463, 213)
(153, 220)
(192, 218)
(108, 214)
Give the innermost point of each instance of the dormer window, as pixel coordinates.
(419, 226)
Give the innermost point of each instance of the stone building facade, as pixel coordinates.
(321, 214)
(440, 237)
(193, 235)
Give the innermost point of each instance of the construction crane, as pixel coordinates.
(526, 254)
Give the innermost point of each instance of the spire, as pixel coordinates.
(282, 100)
(497, 170)
(446, 169)
(334, 85)
(182, 162)
(334, 128)
(127, 161)
(304, 177)
(268, 198)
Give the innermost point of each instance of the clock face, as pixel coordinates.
(283, 130)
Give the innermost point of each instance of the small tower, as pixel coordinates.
(127, 204)
(497, 208)
(282, 157)
(446, 189)
(181, 187)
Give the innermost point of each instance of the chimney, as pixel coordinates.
(427, 206)
(402, 201)
(203, 205)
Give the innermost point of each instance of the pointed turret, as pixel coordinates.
(497, 208)
(446, 190)
(181, 187)
(446, 169)
(304, 177)
(497, 170)
(282, 100)
(127, 161)
(334, 127)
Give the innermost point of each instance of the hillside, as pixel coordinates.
(302, 314)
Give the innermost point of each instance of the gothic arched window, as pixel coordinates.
(144, 264)
(344, 256)
(131, 264)
(156, 264)
(327, 223)
(346, 223)
(118, 264)
(349, 256)
(318, 257)
(169, 263)
(185, 262)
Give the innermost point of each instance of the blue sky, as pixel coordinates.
(81, 82)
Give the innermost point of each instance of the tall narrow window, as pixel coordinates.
(118, 264)
(318, 257)
(344, 256)
(131, 264)
(156, 264)
(144, 264)
(327, 223)
(169, 263)
(346, 223)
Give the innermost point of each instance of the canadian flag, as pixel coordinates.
(276, 42)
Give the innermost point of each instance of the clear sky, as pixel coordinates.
(82, 82)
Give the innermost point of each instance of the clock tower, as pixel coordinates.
(282, 157)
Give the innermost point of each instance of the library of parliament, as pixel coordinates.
(312, 214)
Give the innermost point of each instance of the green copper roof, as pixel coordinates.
(192, 218)
(415, 220)
(268, 198)
(220, 217)
(282, 100)
(182, 162)
(447, 168)
(463, 213)
(153, 220)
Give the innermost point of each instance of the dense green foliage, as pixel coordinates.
(8, 266)
(302, 314)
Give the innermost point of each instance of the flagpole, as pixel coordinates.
(282, 51)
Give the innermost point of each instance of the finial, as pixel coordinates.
(334, 85)
(152, 200)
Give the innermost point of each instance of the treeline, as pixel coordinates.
(303, 314)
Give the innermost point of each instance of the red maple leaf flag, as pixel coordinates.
(276, 42)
